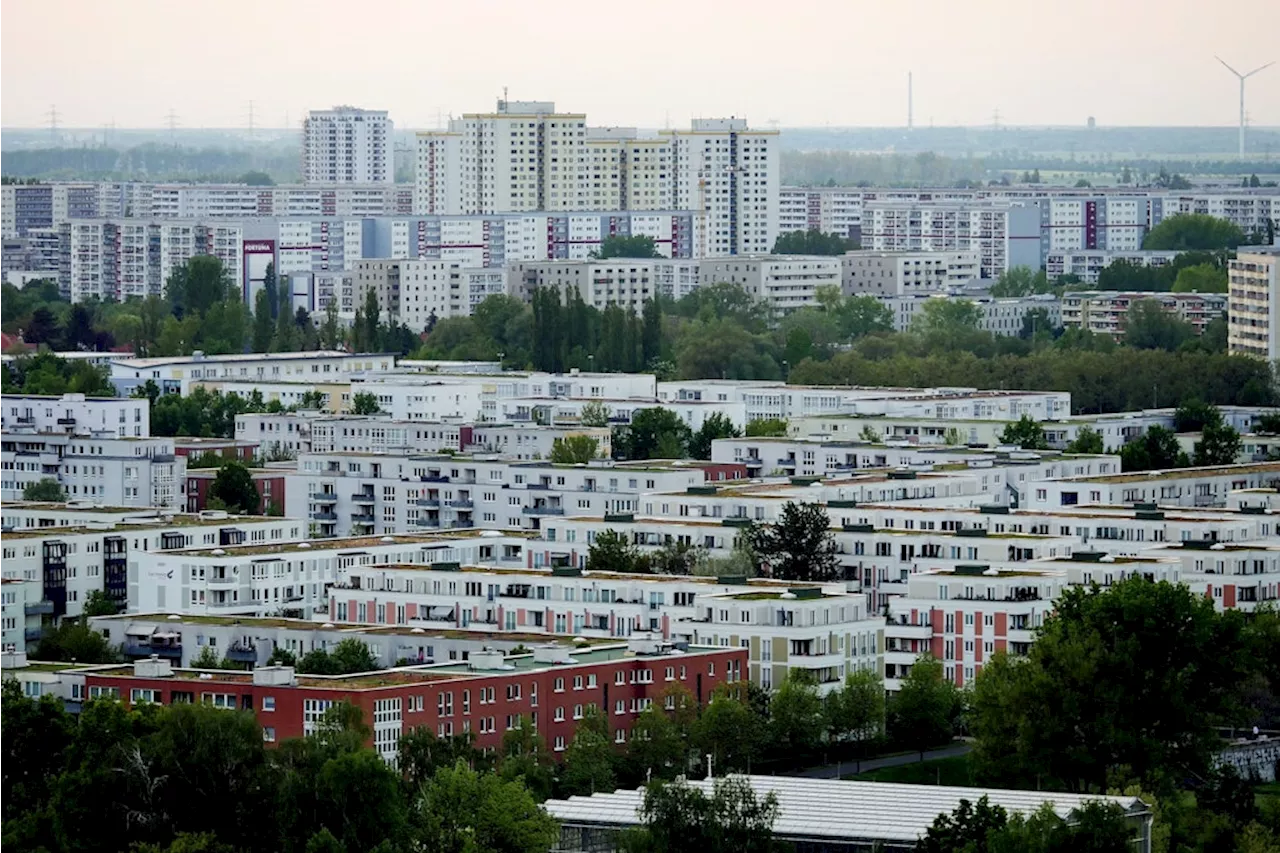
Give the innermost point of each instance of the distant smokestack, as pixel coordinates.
(910, 106)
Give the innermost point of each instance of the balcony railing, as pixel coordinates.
(363, 498)
(325, 515)
(324, 497)
(242, 653)
(362, 518)
(462, 504)
(431, 502)
(543, 510)
(143, 650)
(38, 608)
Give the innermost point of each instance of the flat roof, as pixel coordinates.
(1175, 473)
(837, 809)
(343, 544)
(137, 524)
(160, 361)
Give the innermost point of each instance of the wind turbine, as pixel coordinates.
(1242, 77)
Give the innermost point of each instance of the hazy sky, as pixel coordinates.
(644, 62)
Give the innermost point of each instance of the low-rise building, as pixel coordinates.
(1105, 312)
(179, 374)
(882, 273)
(76, 413)
(98, 466)
(784, 282)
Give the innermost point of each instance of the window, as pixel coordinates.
(269, 734)
(268, 703)
(142, 695)
(559, 685)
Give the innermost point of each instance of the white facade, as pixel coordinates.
(831, 210)
(1003, 234)
(626, 282)
(123, 417)
(272, 578)
(181, 373)
(1199, 487)
(1253, 310)
(1105, 312)
(785, 282)
(728, 175)
(346, 145)
(129, 472)
(1088, 264)
(906, 273)
(22, 613)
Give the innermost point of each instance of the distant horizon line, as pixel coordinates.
(913, 129)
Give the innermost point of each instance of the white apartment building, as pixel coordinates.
(180, 373)
(119, 259)
(626, 282)
(728, 175)
(353, 493)
(786, 282)
(103, 467)
(938, 404)
(418, 293)
(905, 273)
(1198, 487)
(21, 613)
(1002, 316)
(293, 578)
(250, 640)
(67, 563)
(1088, 264)
(346, 145)
(831, 210)
(1115, 222)
(1253, 308)
(1004, 234)
(624, 171)
(124, 417)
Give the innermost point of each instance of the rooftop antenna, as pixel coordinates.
(1242, 77)
(910, 105)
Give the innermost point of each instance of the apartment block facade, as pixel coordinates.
(346, 145)
(1253, 308)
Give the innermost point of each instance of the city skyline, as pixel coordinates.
(825, 63)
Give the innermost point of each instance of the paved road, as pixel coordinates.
(835, 771)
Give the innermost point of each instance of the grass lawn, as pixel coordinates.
(943, 771)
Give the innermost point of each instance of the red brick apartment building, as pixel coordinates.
(486, 695)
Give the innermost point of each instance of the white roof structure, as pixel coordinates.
(835, 810)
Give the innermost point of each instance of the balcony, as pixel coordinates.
(31, 635)
(146, 650)
(362, 518)
(428, 502)
(39, 608)
(539, 486)
(325, 515)
(66, 421)
(435, 478)
(241, 653)
(461, 504)
(428, 522)
(543, 510)
(908, 632)
(324, 497)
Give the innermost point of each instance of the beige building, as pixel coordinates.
(1253, 308)
(1104, 312)
(786, 282)
(905, 273)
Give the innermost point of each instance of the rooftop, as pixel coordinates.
(835, 809)
(441, 539)
(1178, 474)
(200, 358)
(139, 523)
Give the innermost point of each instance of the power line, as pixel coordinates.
(52, 117)
(171, 121)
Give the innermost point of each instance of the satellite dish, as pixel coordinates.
(218, 552)
(388, 539)
(304, 545)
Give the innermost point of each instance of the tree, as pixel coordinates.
(1021, 281)
(965, 829)
(263, 322)
(811, 242)
(1157, 449)
(256, 178)
(352, 655)
(589, 760)
(799, 546)
(620, 246)
(1076, 709)
(194, 286)
(1219, 444)
(593, 414)
(1087, 440)
(96, 603)
(651, 333)
(729, 731)
(611, 552)
(1148, 326)
(856, 712)
(46, 490)
(1194, 415)
(796, 715)
(208, 658)
(461, 811)
(676, 817)
(1188, 231)
(659, 741)
(653, 433)
(423, 754)
(330, 332)
(1267, 423)
(715, 426)
(1201, 278)
(575, 449)
(73, 640)
(234, 486)
(861, 315)
(922, 711)
(365, 403)
(1026, 433)
(282, 657)
(948, 323)
(766, 428)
